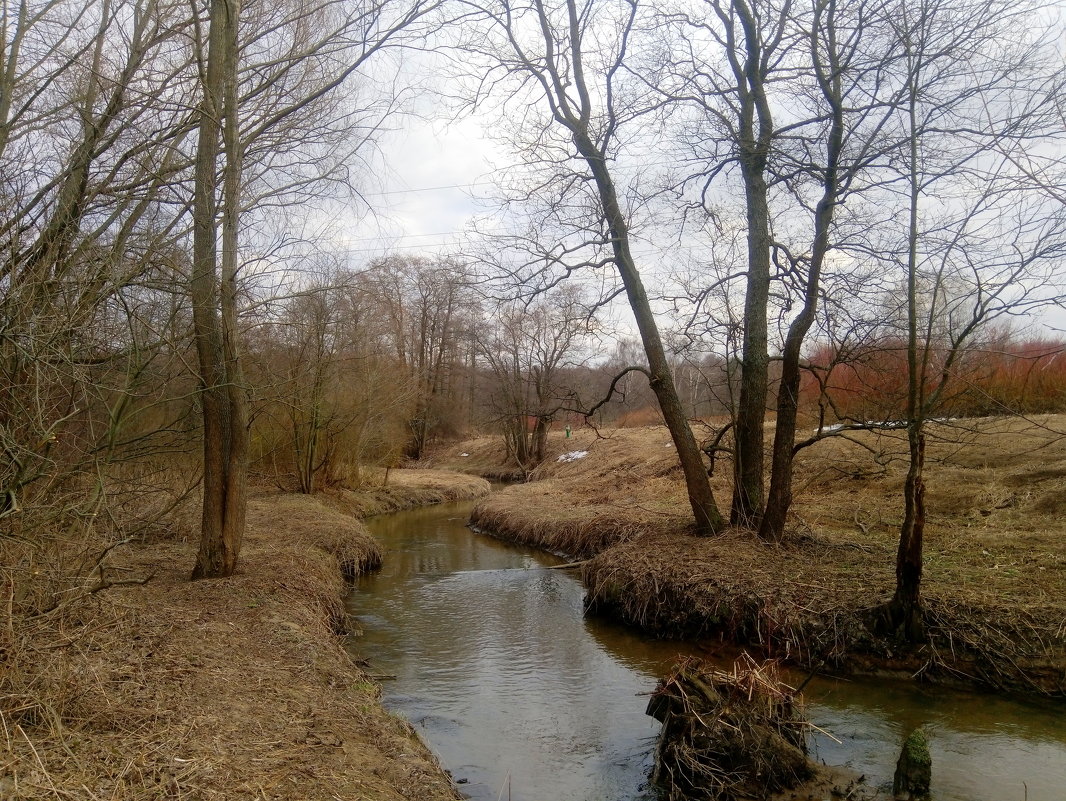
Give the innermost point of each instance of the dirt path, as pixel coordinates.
(229, 689)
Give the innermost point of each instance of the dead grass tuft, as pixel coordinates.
(303, 523)
(738, 734)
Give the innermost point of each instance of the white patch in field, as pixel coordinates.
(572, 456)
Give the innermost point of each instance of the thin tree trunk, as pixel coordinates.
(214, 309)
(708, 518)
(906, 605)
(779, 499)
(236, 394)
(904, 614)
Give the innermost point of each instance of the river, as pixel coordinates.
(522, 697)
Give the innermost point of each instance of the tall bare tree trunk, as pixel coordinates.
(755, 131)
(214, 305)
(705, 511)
(904, 615)
(750, 415)
(779, 499)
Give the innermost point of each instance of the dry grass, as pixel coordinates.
(728, 734)
(481, 456)
(995, 575)
(231, 689)
(628, 485)
(408, 489)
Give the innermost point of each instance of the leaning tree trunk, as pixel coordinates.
(705, 511)
(214, 307)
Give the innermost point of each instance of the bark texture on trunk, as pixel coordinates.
(907, 599)
(779, 499)
(705, 510)
(750, 417)
(903, 616)
(755, 129)
(223, 401)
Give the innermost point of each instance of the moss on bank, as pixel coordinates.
(995, 577)
(226, 689)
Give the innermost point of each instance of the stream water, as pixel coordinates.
(522, 697)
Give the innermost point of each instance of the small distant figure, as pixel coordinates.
(567, 430)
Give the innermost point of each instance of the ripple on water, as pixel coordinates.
(507, 681)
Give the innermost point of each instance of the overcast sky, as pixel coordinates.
(422, 192)
(422, 195)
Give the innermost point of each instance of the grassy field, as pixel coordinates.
(226, 689)
(995, 552)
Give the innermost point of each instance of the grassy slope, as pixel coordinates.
(995, 579)
(228, 689)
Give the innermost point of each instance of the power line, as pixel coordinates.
(427, 189)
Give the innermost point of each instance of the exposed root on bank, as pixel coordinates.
(809, 603)
(727, 735)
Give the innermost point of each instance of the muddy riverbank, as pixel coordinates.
(228, 689)
(995, 575)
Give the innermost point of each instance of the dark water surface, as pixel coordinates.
(525, 698)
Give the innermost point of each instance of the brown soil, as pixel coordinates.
(227, 689)
(995, 570)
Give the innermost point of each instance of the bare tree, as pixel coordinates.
(427, 304)
(984, 230)
(527, 348)
(848, 50)
(87, 158)
(213, 291)
(329, 395)
(728, 59)
(296, 57)
(570, 56)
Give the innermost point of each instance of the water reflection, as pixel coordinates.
(506, 680)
